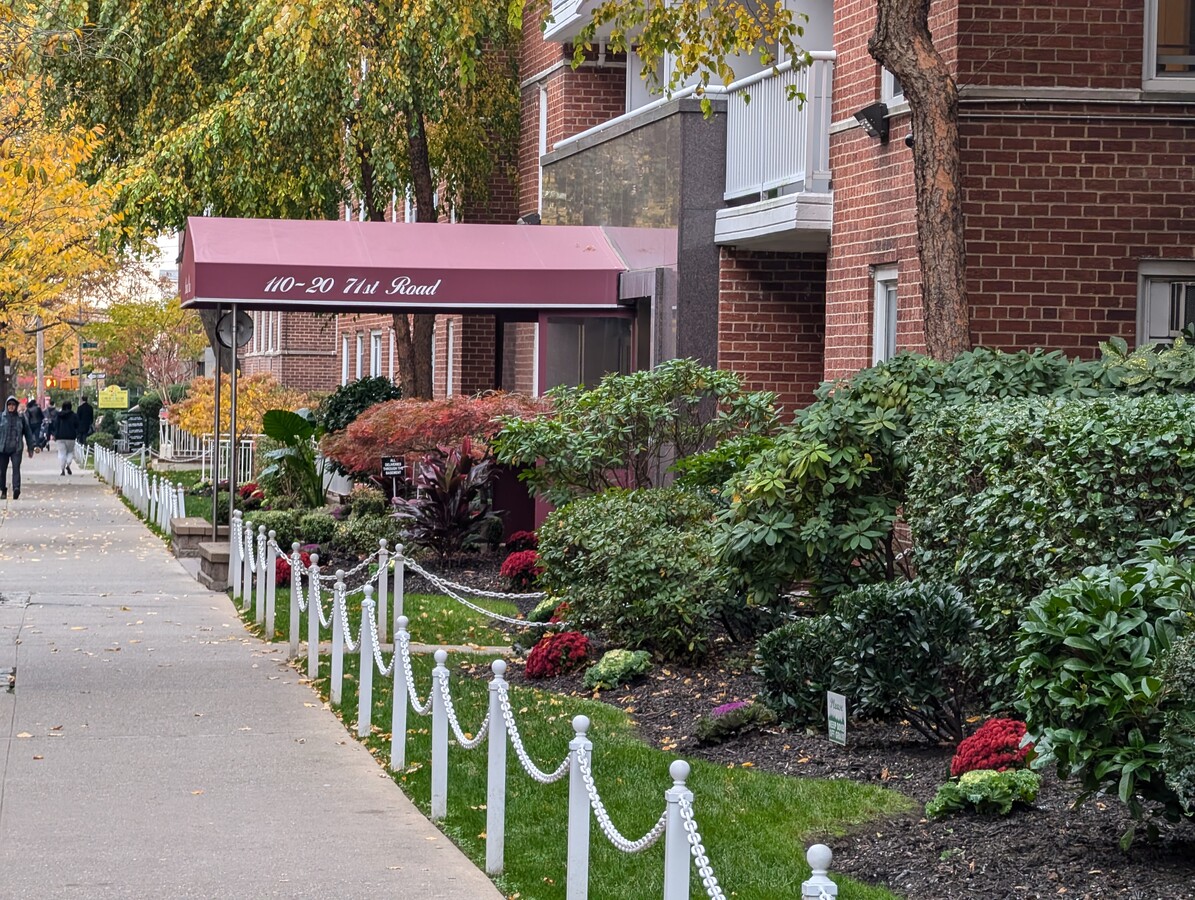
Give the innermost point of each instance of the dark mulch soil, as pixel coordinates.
(1051, 850)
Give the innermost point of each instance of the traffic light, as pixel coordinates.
(51, 383)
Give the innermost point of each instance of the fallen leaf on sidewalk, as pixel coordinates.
(24, 734)
(196, 793)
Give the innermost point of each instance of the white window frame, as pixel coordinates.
(344, 359)
(889, 93)
(392, 348)
(375, 354)
(543, 143)
(884, 313)
(1150, 80)
(360, 354)
(278, 336)
(1151, 272)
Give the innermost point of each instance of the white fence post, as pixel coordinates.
(495, 804)
(819, 886)
(676, 840)
(247, 565)
(365, 672)
(383, 588)
(271, 582)
(296, 592)
(439, 740)
(400, 572)
(259, 605)
(338, 599)
(313, 611)
(577, 875)
(398, 711)
(235, 546)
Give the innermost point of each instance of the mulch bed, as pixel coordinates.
(1051, 850)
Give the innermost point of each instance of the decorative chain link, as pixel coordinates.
(377, 650)
(404, 649)
(261, 551)
(340, 601)
(466, 743)
(355, 569)
(603, 817)
(700, 859)
(516, 741)
(248, 550)
(435, 581)
(316, 602)
(464, 588)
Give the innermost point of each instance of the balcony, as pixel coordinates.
(778, 160)
(568, 17)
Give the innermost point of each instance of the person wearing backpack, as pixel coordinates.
(65, 431)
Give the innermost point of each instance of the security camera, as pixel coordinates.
(909, 140)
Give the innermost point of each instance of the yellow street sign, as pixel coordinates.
(114, 397)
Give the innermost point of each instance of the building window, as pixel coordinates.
(360, 354)
(1166, 300)
(344, 359)
(892, 91)
(883, 337)
(391, 354)
(543, 142)
(375, 354)
(1170, 45)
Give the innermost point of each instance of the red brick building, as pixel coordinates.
(794, 230)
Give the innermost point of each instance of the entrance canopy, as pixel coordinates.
(335, 266)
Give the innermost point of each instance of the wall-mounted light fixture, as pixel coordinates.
(874, 120)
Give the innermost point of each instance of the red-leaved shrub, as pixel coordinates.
(522, 540)
(996, 745)
(560, 613)
(557, 653)
(522, 569)
(282, 568)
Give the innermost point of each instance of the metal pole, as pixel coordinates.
(216, 449)
(232, 419)
(40, 387)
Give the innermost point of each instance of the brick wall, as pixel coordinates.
(472, 355)
(771, 316)
(307, 361)
(577, 99)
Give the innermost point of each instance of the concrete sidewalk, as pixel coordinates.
(150, 747)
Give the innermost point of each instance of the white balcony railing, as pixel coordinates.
(777, 144)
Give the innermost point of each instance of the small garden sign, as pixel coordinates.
(836, 716)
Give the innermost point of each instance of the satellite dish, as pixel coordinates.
(244, 329)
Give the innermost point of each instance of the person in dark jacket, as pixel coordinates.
(14, 430)
(64, 431)
(34, 416)
(86, 418)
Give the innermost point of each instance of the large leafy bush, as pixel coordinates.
(1006, 499)
(295, 462)
(1088, 673)
(1177, 671)
(636, 567)
(896, 652)
(342, 407)
(628, 429)
(256, 394)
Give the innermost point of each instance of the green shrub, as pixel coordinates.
(341, 407)
(102, 439)
(1177, 738)
(1152, 368)
(637, 567)
(985, 791)
(617, 667)
(796, 663)
(453, 510)
(359, 535)
(284, 522)
(367, 501)
(316, 527)
(1091, 696)
(731, 719)
(898, 651)
(628, 428)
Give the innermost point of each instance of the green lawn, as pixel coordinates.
(756, 825)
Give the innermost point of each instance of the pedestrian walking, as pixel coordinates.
(86, 419)
(47, 425)
(34, 416)
(64, 431)
(14, 430)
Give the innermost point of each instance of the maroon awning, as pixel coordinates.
(335, 266)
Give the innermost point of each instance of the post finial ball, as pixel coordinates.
(498, 667)
(819, 856)
(441, 657)
(581, 724)
(679, 770)
(403, 622)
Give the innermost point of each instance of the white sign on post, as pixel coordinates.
(836, 716)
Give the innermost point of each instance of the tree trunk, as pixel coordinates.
(5, 389)
(902, 43)
(425, 324)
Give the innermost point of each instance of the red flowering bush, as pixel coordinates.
(557, 653)
(521, 569)
(522, 540)
(560, 613)
(282, 568)
(996, 745)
